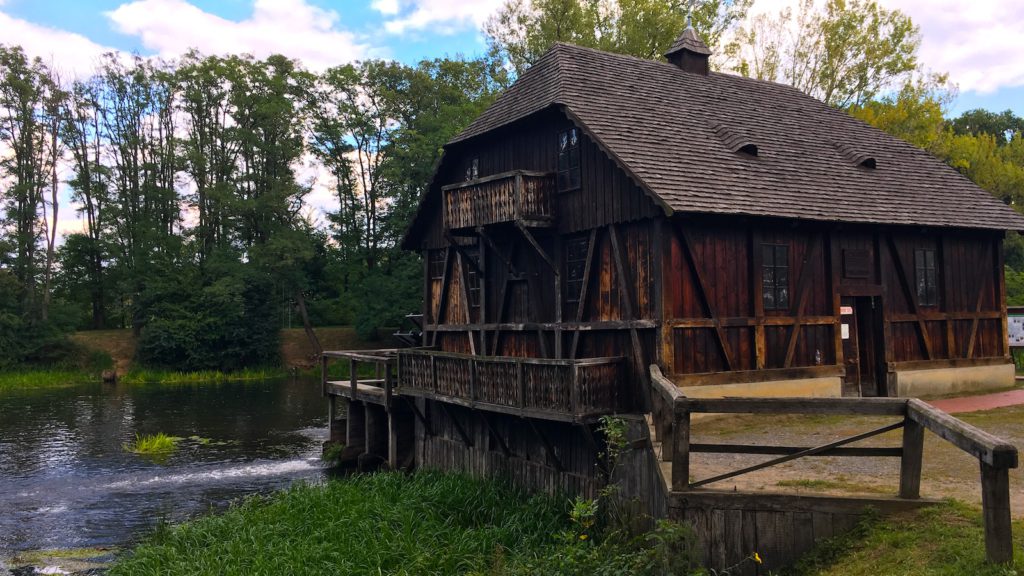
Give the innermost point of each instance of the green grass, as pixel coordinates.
(839, 484)
(157, 446)
(420, 524)
(144, 376)
(942, 540)
(395, 524)
(45, 378)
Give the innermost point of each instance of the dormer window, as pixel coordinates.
(568, 160)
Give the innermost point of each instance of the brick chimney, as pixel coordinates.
(689, 53)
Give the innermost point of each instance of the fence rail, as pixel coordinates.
(672, 423)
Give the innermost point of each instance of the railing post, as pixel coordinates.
(574, 392)
(681, 447)
(388, 384)
(323, 374)
(666, 421)
(995, 509)
(472, 379)
(433, 374)
(911, 459)
(353, 378)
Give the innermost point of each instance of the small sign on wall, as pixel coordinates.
(845, 310)
(1015, 330)
(844, 329)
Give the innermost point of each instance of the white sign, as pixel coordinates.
(1015, 331)
(846, 310)
(845, 331)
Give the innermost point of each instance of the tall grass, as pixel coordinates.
(158, 443)
(395, 524)
(145, 376)
(45, 378)
(381, 524)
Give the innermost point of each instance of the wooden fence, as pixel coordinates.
(995, 456)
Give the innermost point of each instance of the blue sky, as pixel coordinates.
(976, 42)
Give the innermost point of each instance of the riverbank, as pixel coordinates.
(115, 350)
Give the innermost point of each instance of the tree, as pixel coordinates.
(522, 31)
(28, 98)
(844, 54)
(1002, 126)
(915, 113)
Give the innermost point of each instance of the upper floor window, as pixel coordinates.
(568, 160)
(436, 264)
(473, 169)
(472, 252)
(926, 278)
(775, 276)
(575, 267)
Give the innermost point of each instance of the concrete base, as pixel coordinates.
(941, 381)
(828, 387)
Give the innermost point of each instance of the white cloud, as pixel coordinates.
(978, 43)
(386, 7)
(294, 28)
(441, 16)
(68, 52)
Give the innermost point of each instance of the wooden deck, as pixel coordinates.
(563, 390)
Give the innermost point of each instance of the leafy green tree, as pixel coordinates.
(1001, 126)
(843, 54)
(521, 32)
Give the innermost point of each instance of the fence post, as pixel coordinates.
(910, 461)
(995, 509)
(680, 447)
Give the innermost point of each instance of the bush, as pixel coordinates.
(228, 324)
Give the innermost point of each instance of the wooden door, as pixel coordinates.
(851, 350)
(861, 330)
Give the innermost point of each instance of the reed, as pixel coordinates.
(153, 444)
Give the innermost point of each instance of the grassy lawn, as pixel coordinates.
(944, 540)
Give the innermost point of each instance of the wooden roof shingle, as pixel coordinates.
(664, 125)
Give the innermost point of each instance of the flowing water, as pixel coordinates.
(66, 480)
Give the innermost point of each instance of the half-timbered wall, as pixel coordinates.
(714, 308)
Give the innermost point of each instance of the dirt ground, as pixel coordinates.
(948, 472)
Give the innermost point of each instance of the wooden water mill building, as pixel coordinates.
(624, 236)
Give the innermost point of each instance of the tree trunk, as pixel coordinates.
(313, 340)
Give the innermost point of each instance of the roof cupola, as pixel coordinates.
(690, 53)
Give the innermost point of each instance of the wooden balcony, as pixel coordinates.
(564, 390)
(517, 196)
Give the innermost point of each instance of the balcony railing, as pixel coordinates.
(516, 196)
(566, 390)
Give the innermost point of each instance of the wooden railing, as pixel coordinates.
(516, 196)
(379, 389)
(568, 390)
(995, 456)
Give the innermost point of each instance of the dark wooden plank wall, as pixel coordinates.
(970, 280)
(526, 463)
(606, 193)
(728, 255)
(727, 252)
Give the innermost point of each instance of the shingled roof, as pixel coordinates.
(663, 126)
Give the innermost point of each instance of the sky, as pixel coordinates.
(976, 41)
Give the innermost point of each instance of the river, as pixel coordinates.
(66, 480)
